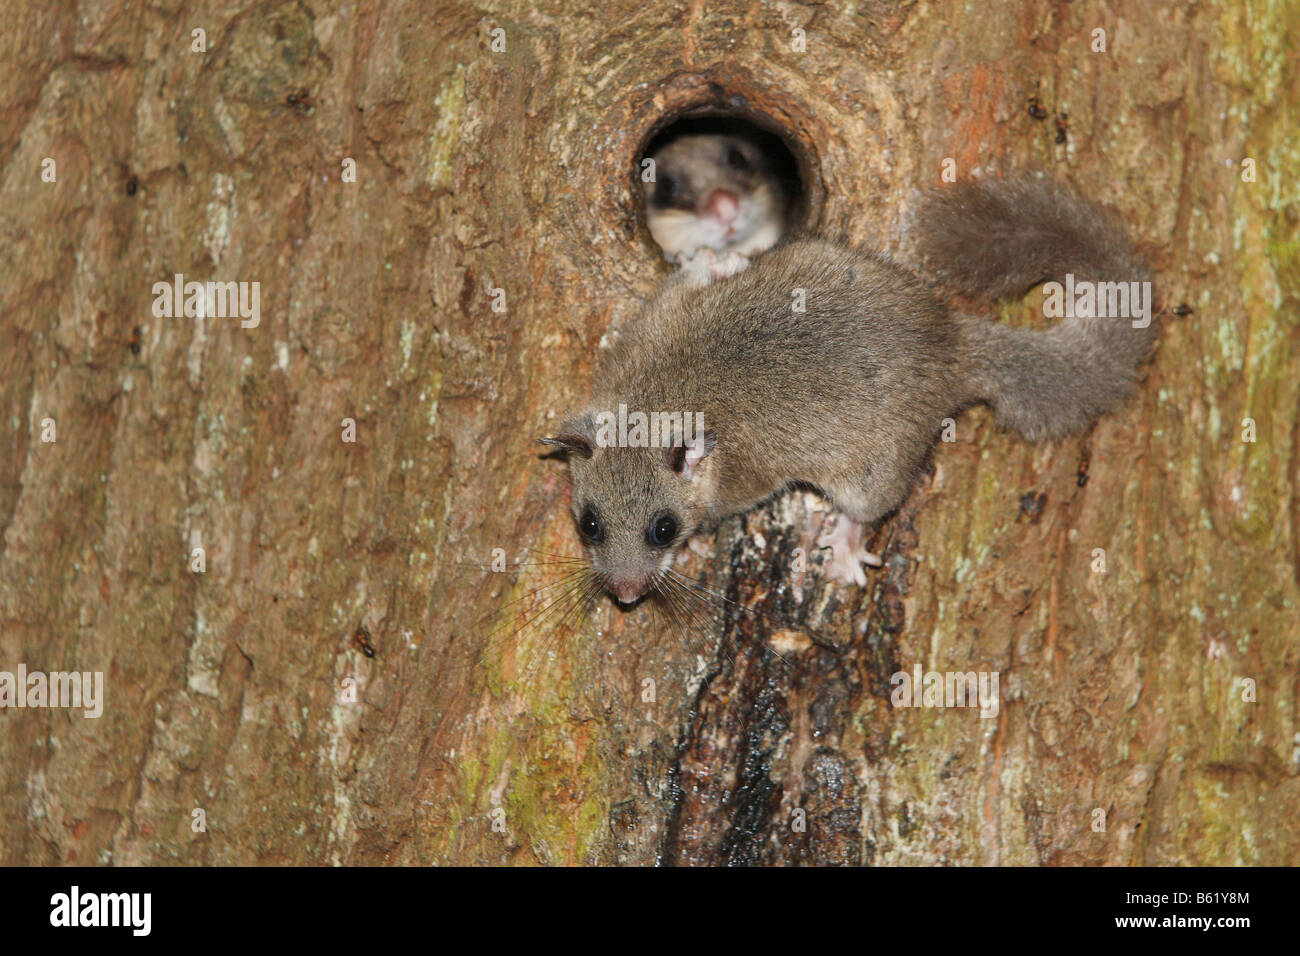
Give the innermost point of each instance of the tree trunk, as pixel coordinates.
(1148, 711)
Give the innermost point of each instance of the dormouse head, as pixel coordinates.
(634, 505)
(711, 190)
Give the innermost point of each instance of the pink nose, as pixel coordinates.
(627, 590)
(723, 206)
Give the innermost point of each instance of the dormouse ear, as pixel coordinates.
(573, 436)
(684, 459)
(573, 444)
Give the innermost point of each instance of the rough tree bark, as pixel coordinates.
(513, 170)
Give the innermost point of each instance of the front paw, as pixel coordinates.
(706, 265)
(848, 551)
(729, 264)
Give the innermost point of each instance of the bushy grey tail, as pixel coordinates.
(990, 239)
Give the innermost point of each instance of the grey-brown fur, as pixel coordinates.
(850, 395)
(994, 239)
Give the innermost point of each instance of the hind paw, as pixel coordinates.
(848, 553)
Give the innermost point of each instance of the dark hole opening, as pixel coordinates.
(719, 182)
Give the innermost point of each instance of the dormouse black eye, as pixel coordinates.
(737, 159)
(590, 526)
(662, 531)
(667, 189)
